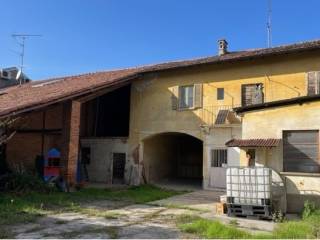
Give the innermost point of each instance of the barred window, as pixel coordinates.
(219, 157)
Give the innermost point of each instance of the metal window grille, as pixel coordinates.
(219, 157)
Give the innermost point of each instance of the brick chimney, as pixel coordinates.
(222, 47)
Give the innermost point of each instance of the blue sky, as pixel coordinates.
(89, 35)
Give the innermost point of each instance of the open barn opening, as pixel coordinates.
(104, 136)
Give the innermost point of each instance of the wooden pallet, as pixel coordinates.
(238, 210)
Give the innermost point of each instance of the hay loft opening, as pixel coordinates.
(107, 115)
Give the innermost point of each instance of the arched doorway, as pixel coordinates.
(175, 158)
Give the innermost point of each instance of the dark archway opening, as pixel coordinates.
(175, 158)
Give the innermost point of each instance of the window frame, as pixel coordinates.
(219, 97)
(218, 163)
(243, 87)
(180, 107)
(284, 167)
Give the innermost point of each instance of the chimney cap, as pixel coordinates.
(222, 46)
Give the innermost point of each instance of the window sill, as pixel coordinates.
(300, 174)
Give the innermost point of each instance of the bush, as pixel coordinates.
(22, 183)
(309, 209)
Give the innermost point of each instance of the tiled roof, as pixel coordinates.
(258, 142)
(17, 99)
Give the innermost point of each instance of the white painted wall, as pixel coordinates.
(102, 149)
(216, 140)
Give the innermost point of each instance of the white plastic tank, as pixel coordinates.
(249, 185)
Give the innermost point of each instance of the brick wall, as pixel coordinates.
(23, 148)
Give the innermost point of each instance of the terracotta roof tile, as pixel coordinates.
(258, 142)
(14, 99)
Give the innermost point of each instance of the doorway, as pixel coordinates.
(118, 168)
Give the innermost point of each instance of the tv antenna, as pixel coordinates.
(269, 27)
(21, 39)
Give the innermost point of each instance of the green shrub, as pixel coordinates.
(22, 183)
(309, 209)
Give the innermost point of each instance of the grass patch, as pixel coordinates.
(22, 208)
(209, 229)
(306, 228)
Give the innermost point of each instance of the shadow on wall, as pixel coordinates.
(172, 156)
(296, 197)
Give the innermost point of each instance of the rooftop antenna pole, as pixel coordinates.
(22, 41)
(269, 27)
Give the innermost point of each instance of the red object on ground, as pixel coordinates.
(51, 171)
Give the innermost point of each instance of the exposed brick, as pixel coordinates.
(23, 148)
(70, 136)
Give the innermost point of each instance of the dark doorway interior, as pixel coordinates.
(173, 157)
(119, 161)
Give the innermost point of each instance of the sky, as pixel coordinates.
(80, 36)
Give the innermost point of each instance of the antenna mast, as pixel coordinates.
(269, 27)
(22, 38)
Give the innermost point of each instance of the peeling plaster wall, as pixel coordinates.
(102, 149)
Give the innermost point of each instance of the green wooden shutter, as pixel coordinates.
(197, 95)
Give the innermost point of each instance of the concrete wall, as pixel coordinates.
(102, 149)
(270, 123)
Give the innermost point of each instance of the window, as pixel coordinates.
(186, 96)
(220, 93)
(219, 157)
(251, 94)
(301, 151)
(313, 83)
